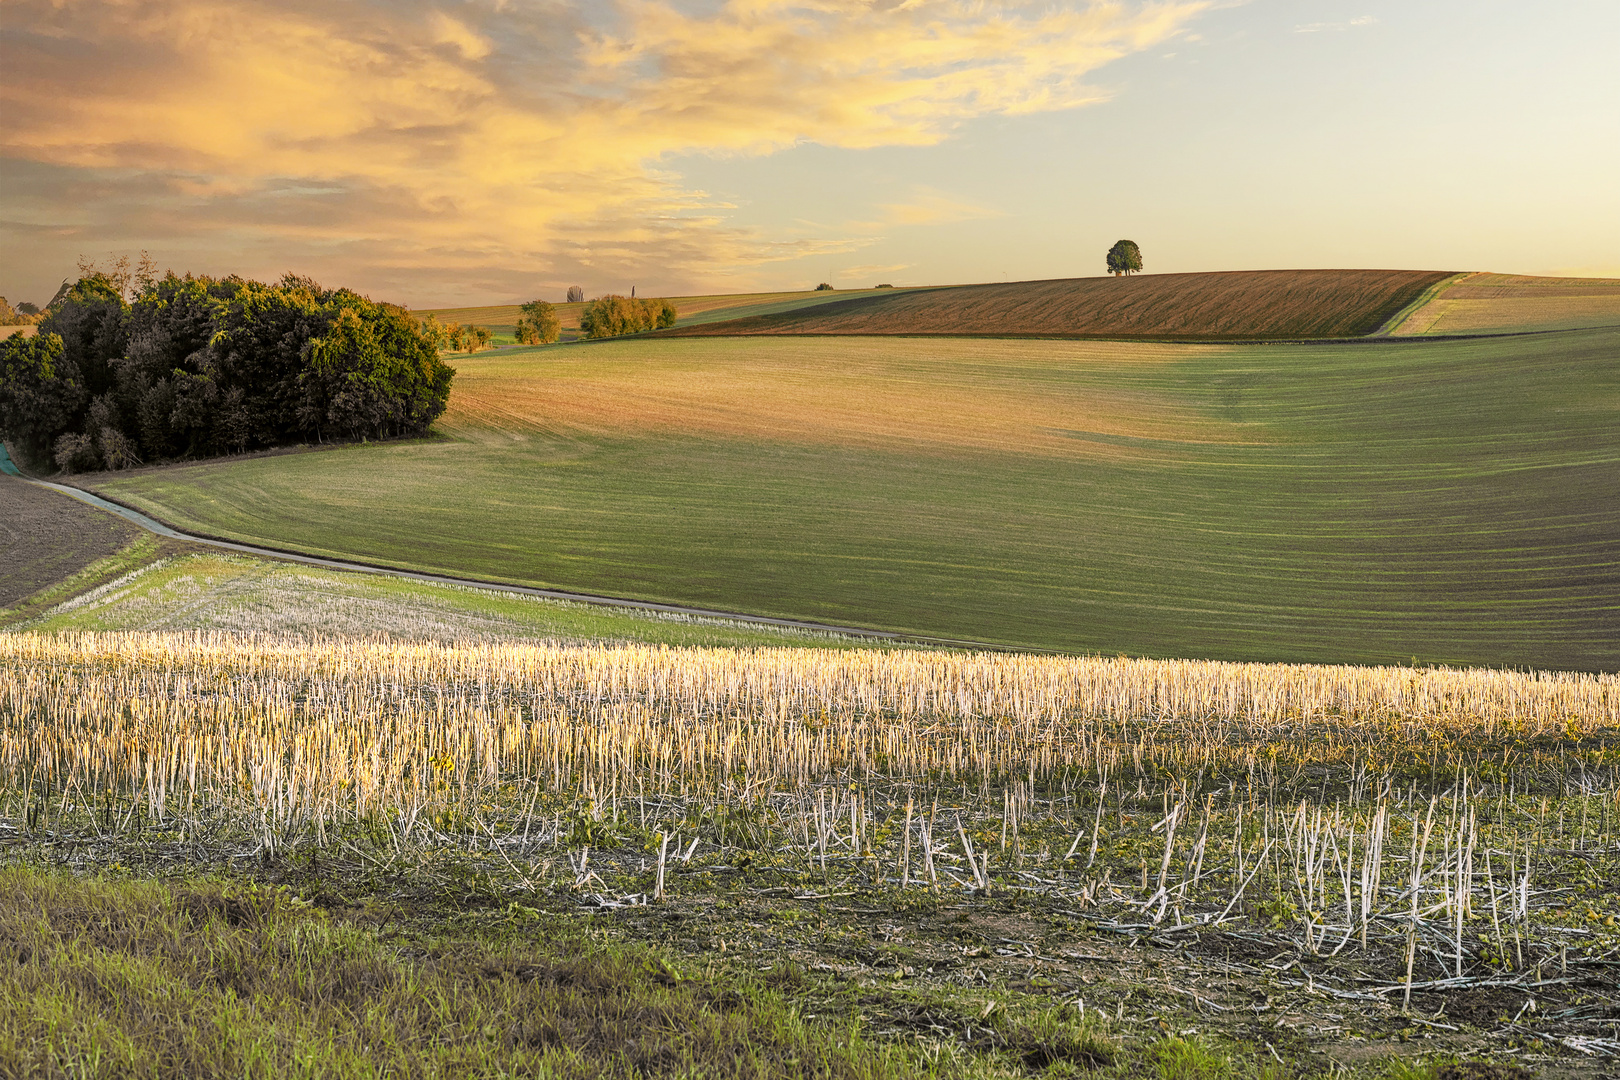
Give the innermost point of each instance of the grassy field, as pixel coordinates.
(1443, 501)
(1263, 304)
(1508, 303)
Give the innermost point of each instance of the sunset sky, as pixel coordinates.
(434, 152)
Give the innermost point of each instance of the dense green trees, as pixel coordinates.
(539, 324)
(196, 366)
(1124, 258)
(612, 315)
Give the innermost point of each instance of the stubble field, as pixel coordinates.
(629, 861)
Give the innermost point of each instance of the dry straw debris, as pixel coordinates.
(1448, 826)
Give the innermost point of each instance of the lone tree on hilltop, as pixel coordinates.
(1124, 258)
(576, 294)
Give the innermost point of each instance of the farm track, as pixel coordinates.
(160, 528)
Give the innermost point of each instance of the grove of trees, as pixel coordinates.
(126, 372)
(1124, 258)
(538, 325)
(612, 315)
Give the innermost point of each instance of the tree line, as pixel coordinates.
(612, 315)
(126, 371)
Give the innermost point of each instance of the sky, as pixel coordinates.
(452, 152)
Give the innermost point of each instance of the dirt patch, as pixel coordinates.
(46, 537)
(1263, 304)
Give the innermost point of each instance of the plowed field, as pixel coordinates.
(46, 537)
(1239, 305)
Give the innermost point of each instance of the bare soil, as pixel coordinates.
(46, 538)
(1238, 305)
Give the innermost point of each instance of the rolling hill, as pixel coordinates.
(1236, 305)
(1447, 500)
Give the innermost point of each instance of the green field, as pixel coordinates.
(1449, 501)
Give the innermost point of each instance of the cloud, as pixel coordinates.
(929, 207)
(1319, 27)
(873, 270)
(480, 137)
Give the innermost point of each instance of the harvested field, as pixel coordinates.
(1238, 305)
(1509, 303)
(46, 538)
(1325, 861)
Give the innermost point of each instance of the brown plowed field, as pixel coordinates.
(1236, 305)
(46, 537)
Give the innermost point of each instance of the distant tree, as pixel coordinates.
(885, 285)
(576, 294)
(434, 332)
(538, 325)
(1124, 258)
(824, 287)
(477, 338)
(25, 314)
(455, 336)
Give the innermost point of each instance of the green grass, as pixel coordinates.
(201, 975)
(1444, 501)
(207, 979)
(236, 593)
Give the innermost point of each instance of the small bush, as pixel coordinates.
(824, 287)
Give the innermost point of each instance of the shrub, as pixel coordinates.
(824, 287)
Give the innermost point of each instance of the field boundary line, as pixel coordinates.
(161, 528)
(1397, 320)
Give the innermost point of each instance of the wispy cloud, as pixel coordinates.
(1319, 27)
(487, 139)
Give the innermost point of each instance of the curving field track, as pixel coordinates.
(1237, 305)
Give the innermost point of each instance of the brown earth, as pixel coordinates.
(46, 538)
(1236, 305)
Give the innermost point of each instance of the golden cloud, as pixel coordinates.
(488, 134)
